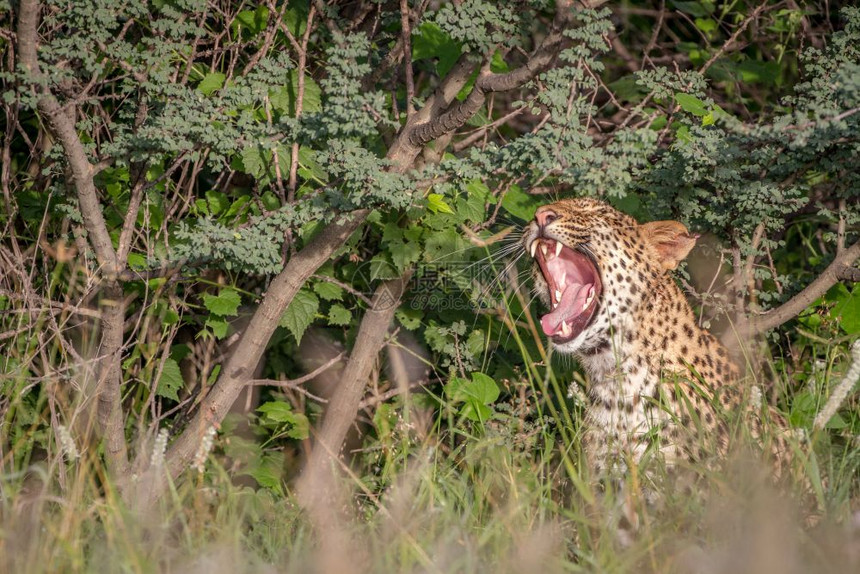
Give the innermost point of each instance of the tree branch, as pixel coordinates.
(63, 128)
(752, 326)
(293, 383)
(239, 368)
(340, 413)
(344, 404)
(848, 273)
(488, 82)
(407, 57)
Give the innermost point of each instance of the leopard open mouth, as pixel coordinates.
(574, 288)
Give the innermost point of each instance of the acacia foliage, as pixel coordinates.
(234, 133)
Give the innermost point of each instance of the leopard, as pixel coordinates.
(657, 381)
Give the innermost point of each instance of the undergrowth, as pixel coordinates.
(431, 489)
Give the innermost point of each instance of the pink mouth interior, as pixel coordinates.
(573, 275)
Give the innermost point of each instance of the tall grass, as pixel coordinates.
(436, 493)
(511, 495)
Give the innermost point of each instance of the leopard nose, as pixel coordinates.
(544, 216)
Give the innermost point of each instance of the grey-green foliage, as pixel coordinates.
(563, 148)
(350, 111)
(730, 177)
(721, 174)
(478, 25)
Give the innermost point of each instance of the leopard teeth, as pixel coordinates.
(557, 295)
(565, 328)
(558, 247)
(543, 249)
(533, 248)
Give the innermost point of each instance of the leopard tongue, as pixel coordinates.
(568, 308)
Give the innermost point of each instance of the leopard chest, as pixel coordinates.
(622, 411)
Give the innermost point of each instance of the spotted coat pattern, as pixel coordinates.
(655, 376)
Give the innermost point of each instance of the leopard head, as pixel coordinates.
(594, 266)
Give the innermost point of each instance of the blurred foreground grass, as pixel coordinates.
(510, 498)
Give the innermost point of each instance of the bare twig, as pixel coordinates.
(406, 33)
(840, 228)
(733, 38)
(372, 401)
(293, 383)
(746, 276)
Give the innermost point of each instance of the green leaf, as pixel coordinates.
(137, 261)
(628, 89)
(409, 318)
(803, 409)
(498, 64)
(218, 326)
(269, 471)
(475, 411)
(695, 9)
(404, 254)
(309, 167)
(758, 72)
(252, 21)
(436, 204)
(167, 315)
(706, 25)
(442, 244)
(836, 422)
(520, 204)
(328, 291)
(300, 314)
(471, 208)
(429, 41)
(276, 411)
(237, 206)
(475, 342)
(211, 82)
(281, 413)
(226, 303)
(339, 315)
(301, 427)
(253, 162)
(270, 201)
(479, 189)
(381, 268)
(691, 104)
(217, 201)
(391, 233)
(847, 308)
(284, 98)
(213, 375)
(296, 17)
(483, 388)
(171, 380)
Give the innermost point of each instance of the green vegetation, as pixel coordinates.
(239, 239)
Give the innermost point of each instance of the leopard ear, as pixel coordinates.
(670, 240)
